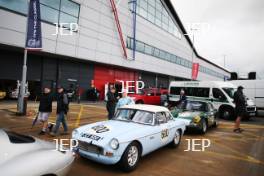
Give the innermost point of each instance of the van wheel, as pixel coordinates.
(130, 157)
(227, 113)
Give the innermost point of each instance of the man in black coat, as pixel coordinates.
(111, 102)
(45, 108)
(240, 109)
(182, 96)
(62, 110)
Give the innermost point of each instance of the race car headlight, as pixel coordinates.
(196, 119)
(75, 133)
(114, 144)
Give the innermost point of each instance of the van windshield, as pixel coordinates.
(229, 91)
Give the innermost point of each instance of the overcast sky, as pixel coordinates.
(234, 28)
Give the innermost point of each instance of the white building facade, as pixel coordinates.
(94, 52)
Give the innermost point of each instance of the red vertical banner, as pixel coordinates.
(195, 71)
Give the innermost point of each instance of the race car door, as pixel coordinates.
(165, 135)
(159, 133)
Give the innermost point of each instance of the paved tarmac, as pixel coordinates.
(229, 154)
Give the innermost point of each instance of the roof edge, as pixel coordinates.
(176, 17)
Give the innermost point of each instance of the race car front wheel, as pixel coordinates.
(203, 127)
(176, 140)
(130, 157)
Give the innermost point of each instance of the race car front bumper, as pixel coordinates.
(100, 158)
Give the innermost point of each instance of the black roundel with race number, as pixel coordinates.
(100, 129)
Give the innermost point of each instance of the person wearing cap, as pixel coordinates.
(45, 108)
(240, 109)
(62, 109)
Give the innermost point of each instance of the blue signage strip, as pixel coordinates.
(33, 39)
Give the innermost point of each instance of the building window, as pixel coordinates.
(52, 11)
(164, 55)
(155, 12)
(19, 6)
(49, 14)
(60, 11)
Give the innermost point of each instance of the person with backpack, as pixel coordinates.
(240, 109)
(62, 110)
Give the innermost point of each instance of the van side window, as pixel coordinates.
(175, 90)
(191, 91)
(202, 92)
(218, 94)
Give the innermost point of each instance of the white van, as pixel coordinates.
(218, 92)
(253, 89)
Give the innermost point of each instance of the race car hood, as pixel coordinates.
(11, 150)
(189, 115)
(103, 132)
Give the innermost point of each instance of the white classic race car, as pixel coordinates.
(22, 155)
(135, 131)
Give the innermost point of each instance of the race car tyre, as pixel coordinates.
(130, 157)
(176, 140)
(215, 122)
(203, 128)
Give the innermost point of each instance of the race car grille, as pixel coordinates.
(251, 109)
(89, 147)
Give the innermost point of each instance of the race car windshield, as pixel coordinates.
(192, 106)
(229, 91)
(133, 115)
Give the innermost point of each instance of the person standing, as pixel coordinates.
(62, 110)
(182, 96)
(125, 100)
(45, 108)
(111, 102)
(240, 109)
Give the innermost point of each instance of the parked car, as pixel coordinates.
(135, 131)
(13, 94)
(28, 156)
(149, 96)
(198, 115)
(2, 94)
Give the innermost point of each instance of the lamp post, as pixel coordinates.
(33, 41)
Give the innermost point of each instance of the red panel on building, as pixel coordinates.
(106, 74)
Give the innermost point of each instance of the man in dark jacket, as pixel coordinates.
(240, 109)
(62, 109)
(45, 108)
(111, 102)
(182, 96)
